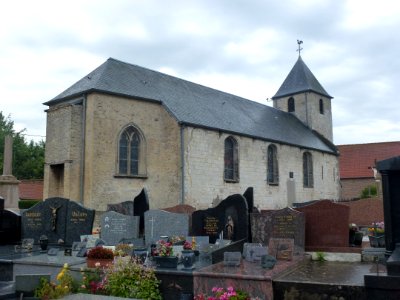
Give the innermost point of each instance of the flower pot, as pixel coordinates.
(103, 263)
(188, 258)
(166, 261)
(377, 241)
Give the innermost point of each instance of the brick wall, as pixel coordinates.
(364, 212)
(351, 188)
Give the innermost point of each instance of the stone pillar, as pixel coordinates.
(9, 189)
(7, 162)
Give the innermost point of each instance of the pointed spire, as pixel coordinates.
(300, 80)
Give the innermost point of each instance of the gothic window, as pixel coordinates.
(231, 160)
(272, 167)
(131, 152)
(321, 106)
(308, 180)
(291, 107)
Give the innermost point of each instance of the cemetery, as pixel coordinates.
(307, 251)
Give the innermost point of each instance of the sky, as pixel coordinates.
(243, 47)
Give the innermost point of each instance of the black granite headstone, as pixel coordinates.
(58, 219)
(228, 219)
(10, 227)
(140, 206)
(79, 222)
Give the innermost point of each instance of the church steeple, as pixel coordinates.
(303, 95)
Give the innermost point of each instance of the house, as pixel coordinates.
(123, 128)
(358, 166)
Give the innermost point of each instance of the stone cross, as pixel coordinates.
(7, 162)
(152, 226)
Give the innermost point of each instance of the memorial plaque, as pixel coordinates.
(90, 240)
(283, 223)
(281, 249)
(162, 223)
(116, 226)
(232, 259)
(79, 222)
(228, 220)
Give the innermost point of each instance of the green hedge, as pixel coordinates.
(25, 204)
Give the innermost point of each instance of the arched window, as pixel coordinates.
(131, 149)
(291, 107)
(321, 106)
(231, 160)
(308, 180)
(272, 165)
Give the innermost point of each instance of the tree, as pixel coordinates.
(28, 157)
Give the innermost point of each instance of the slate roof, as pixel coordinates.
(356, 160)
(196, 105)
(299, 80)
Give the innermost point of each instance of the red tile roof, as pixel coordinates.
(355, 161)
(31, 189)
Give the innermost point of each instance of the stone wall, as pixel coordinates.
(204, 167)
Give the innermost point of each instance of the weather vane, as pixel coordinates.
(299, 43)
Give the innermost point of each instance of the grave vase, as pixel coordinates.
(188, 258)
(377, 241)
(166, 261)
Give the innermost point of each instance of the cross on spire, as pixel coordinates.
(299, 43)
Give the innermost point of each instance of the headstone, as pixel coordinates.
(162, 223)
(283, 223)
(281, 249)
(327, 226)
(10, 227)
(79, 222)
(228, 219)
(253, 251)
(58, 219)
(125, 208)
(140, 206)
(116, 226)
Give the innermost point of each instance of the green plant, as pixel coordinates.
(65, 285)
(100, 253)
(93, 282)
(25, 204)
(321, 256)
(123, 250)
(369, 191)
(130, 279)
(221, 294)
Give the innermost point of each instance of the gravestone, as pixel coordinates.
(283, 223)
(58, 219)
(79, 222)
(137, 207)
(162, 223)
(116, 226)
(10, 227)
(327, 226)
(228, 219)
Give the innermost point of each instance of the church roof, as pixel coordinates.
(196, 105)
(300, 80)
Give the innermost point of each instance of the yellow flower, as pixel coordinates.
(66, 266)
(60, 275)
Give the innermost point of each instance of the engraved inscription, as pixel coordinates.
(211, 225)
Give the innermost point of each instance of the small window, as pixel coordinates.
(291, 107)
(321, 106)
(308, 180)
(131, 152)
(231, 160)
(272, 165)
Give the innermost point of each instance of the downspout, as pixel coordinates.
(83, 145)
(182, 165)
(308, 125)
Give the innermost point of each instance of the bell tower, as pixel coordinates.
(302, 95)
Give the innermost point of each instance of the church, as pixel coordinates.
(124, 128)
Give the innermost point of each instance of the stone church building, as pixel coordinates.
(123, 128)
